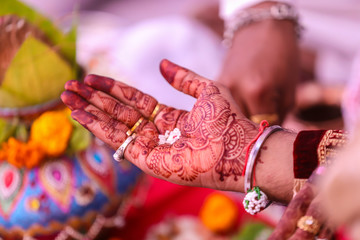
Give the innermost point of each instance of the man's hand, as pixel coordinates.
(261, 67)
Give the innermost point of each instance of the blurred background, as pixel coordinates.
(126, 40)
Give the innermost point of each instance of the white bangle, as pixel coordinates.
(255, 199)
(253, 155)
(280, 11)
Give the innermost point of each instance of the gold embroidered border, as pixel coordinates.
(327, 149)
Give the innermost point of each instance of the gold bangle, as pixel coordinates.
(137, 124)
(153, 114)
(271, 118)
(309, 224)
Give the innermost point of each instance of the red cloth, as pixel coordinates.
(167, 199)
(305, 152)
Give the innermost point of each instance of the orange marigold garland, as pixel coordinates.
(21, 154)
(49, 137)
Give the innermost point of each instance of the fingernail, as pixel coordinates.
(84, 118)
(73, 101)
(168, 70)
(104, 84)
(70, 84)
(80, 88)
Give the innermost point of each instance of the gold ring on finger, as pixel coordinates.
(309, 224)
(154, 113)
(137, 124)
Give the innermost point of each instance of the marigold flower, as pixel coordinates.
(52, 131)
(22, 154)
(219, 213)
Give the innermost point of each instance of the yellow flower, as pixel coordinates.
(51, 131)
(219, 213)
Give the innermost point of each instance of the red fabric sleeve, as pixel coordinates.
(305, 152)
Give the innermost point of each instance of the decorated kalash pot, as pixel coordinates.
(56, 180)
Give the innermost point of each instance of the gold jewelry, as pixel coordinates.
(309, 224)
(119, 154)
(153, 114)
(137, 124)
(271, 118)
(128, 132)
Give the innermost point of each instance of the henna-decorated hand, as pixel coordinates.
(214, 134)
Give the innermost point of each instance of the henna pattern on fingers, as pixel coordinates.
(73, 101)
(80, 88)
(101, 83)
(138, 99)
(84, 118)
(213, 137)
(121, 112)
(169, 70)
(113, 131)
(193, 87)
(149, 130)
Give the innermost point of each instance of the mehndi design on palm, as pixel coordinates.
(214, 134)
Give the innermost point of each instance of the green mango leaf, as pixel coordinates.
(65, 42)
(9, 100)
(7, 129)
(36, 74)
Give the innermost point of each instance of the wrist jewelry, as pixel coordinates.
(255, 199)
(119, 154)
(280, 11)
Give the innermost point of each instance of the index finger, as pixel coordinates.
(142, 102)
(164, 117)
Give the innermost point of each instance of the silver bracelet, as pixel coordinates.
(256, 200)
(253, 155)
(280, 11)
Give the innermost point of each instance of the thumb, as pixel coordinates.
(183, 79)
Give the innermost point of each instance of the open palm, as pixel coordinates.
(214, 134)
